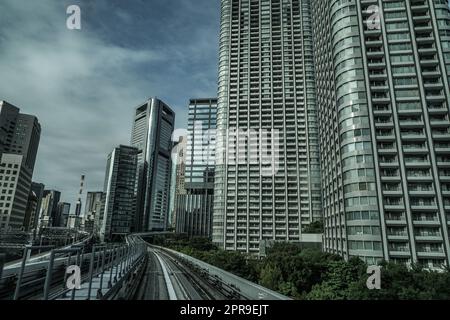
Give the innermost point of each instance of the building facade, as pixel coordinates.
(92, 212)
(63, 212)
(266, 89)
(177, 179)
(196, 199)
(382, 70)
(19, 141)
(38, 190)
(153, 127)
(119, 188)
(49, 209)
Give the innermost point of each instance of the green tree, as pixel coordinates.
(314, 227)
(271, 276)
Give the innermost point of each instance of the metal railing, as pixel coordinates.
(102, 269)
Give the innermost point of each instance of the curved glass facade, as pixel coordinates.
(383, 97)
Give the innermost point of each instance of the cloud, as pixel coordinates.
(83, 85)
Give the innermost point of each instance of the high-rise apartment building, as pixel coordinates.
(153, 127)
(266, 88)
(383, 94)
(19, 141)
(195, 203)
(119, 188)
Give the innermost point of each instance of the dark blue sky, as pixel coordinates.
(83, 85)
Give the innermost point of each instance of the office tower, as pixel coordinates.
(79, 203)
(63, 212)
(177, 178)
(13, 199)
(19, 141)
(92, 212)
(38, 190)
(266, 88)
(49, 209)
(194, 213)
(180, 190)
(383, 96)
(120, 180)
(152, 134)
(30, 212)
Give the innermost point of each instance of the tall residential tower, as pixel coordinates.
(267, 94)
(383, 72)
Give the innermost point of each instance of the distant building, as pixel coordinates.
(31, 212)
(38, 190)
(63, 212)
(120, 179)
(19, 141)
(92, 212)
(152, 134)
(74, 222)
(195, 202)
(177, 180)
(49, 209)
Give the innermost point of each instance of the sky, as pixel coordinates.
(83, 85)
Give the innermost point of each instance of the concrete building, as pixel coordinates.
(19, 141)
(177, 178)
(383, 95)
(153, 126)
(38, 190)
(49, 209)
(267, 178)
(195, 200)
(92, 212)
(119, 189)
(63, 212)
(14, 180)
(31, 212)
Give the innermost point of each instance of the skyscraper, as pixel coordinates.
(383, 72)
(177, 180)
(30, 212)
(92, 211)
(120, 180)
(38, 190)
(63, 212)
(49, 209)
(152, 134)
(195, 205)
(266, 88)
(19, 141)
